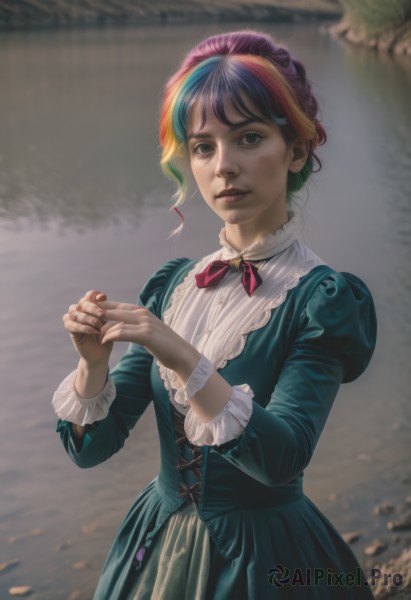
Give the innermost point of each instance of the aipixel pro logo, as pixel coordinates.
(279, 575)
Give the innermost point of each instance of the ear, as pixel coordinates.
(298, 155)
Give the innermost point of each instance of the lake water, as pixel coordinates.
(83, 205)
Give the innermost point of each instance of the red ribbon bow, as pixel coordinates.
(216, 270)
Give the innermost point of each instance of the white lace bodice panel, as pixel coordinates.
(217, 320)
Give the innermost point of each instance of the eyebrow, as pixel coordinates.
(232, 126)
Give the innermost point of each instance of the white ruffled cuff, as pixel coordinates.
(199, 377)
(227, 425)
(69, 406)
(197, 380)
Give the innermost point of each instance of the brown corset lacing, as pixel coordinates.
(192, 491)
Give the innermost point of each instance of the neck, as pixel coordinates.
(241, 236)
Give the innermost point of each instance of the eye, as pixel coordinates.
(251, 138)
(202, 148)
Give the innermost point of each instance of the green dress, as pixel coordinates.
(238, 511)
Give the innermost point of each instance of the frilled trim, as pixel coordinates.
(227, 425)
(198, 378)
(69, 406)
(270, 245)
(259, 319)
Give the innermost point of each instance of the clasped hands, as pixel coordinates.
(95, 323)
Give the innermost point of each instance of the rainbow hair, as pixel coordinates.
(240, 67)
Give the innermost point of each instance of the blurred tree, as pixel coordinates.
(376, 16)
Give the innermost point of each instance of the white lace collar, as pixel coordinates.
(270, 245)
(217, 321)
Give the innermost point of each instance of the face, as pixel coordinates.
(241, 170)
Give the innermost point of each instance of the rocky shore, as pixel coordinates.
(63, 13)
(396, 40)
(387, 560)
(390, 588)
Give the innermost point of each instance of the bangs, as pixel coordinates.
(216, 81)
(256, 87)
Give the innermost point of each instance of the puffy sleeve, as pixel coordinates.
(334, 339)
(130, 381)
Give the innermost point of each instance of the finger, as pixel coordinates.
(73, 326)
(105, 328)
(78, 316)
(92, 295)
(84, 319)
(90, 308)
(120, 332)
(132, 316)
(110, 304)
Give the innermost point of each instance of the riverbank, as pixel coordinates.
(394, 578)
(396, 40)
(64, 13)
(383, 548)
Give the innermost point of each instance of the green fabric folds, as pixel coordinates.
(252, 504)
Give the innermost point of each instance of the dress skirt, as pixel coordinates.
(185, 564)
(178, 565)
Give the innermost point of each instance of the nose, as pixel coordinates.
(226, 162)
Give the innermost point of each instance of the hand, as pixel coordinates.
(137, 324)
(85, 323)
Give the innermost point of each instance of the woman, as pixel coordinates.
(242, 353)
